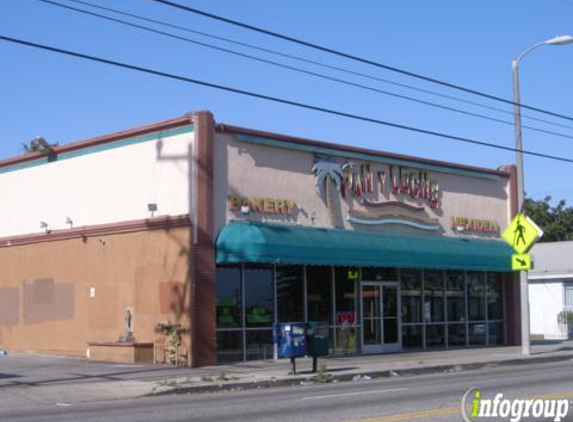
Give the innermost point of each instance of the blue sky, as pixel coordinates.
(466, 42)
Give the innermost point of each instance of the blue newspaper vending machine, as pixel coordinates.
(290, 341)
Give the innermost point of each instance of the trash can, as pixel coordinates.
(318, 341)
(290, 341)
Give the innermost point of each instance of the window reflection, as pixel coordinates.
(411, 285)
(259, 344)
(229, 309)
(455, 296)
(346, 318)
(476, 296)
(494, 296)
(477, 334)
(412, 336)
(496, 334)
(229, 346)
(259, 296)
(457, 335)
(319, 293)
(433, 296)
(435, 336)
(345, 279)
(290, 293)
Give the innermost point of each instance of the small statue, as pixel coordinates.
(128, 330)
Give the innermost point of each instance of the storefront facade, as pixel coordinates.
(393, 253)
(219, 232)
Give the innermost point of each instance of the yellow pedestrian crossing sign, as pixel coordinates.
(522, 233)
(521, 262)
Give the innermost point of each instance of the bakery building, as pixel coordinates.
(186, 240)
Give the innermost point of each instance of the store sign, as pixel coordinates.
(360, 180)
(256, 204)
(363, 180)
(352, 275)
(345, 318)
(474, 225)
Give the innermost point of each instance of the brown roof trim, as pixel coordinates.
(224, 128)
(116, 136)
(156, 223)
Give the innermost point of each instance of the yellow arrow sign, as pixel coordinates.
(521, 262)
(522, 233)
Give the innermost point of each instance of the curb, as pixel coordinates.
(410, 372)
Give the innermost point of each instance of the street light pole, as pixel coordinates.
(523, 286)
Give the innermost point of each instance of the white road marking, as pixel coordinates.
(63, 404)
(357, 393)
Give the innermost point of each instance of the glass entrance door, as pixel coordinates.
(380, 317)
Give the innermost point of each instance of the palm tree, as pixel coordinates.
(38, 144)
(328, 180)
(32, 146)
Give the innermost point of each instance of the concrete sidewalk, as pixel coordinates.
(258, 374)
(32, 379)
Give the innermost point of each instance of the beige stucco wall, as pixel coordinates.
(254, 170)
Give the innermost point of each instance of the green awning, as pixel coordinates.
(251, 242)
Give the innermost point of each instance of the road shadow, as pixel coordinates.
(7, 376)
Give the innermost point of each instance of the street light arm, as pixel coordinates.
(516, 62)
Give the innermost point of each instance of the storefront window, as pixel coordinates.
(433, 296)
(379, 274)
(345, 284)
(411, 291)
(259, 296)
(319, 293)
(494, 296)
(345, 279)
(229, 309)
(457, 335)
(290, 293)
(346, 340)
(435, 336)
(259, 344)
(495, 334)
(229, 346)
(455, 296)
(476, 296)
(438, 309)
(412, 336)
(477, 334)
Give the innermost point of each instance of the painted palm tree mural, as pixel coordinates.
(328, 183)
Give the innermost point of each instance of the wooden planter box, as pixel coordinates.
(121, 352)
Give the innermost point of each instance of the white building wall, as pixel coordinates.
(108, 186)
(545, 304)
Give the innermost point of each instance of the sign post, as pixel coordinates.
(521, 234)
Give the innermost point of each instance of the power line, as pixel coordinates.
(355, 58)
(313, 62)
(303, 71)
(276, 99)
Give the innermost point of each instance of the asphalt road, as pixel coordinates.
(423, 398)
